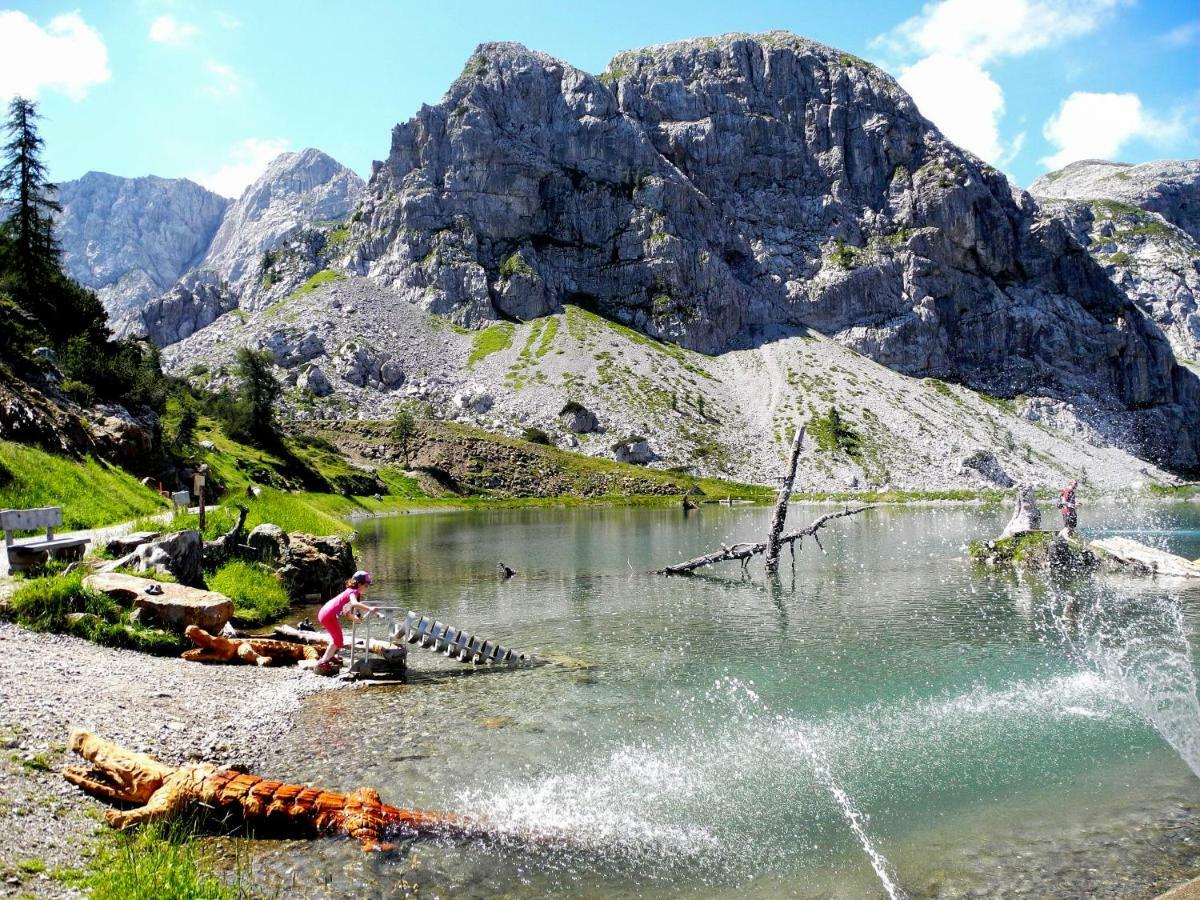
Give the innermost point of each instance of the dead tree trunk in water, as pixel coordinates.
(743, 552)
(781, 505)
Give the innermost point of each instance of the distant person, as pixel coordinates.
(1068, 507)
(349, 603)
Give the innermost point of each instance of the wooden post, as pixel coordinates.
(785, 494)
(200, 479)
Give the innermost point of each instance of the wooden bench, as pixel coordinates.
(28, 553)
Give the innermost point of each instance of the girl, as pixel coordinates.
(349, 599)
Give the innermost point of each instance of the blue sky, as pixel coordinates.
(212, 91)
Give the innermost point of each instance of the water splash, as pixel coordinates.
(854, 818)
(1141, 646)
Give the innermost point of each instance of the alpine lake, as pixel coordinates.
(884, 719)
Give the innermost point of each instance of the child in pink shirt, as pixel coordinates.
(350, 599)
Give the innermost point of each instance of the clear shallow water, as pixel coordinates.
(888, 713)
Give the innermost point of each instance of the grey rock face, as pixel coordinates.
(130, 239)
(708, 191)
(1153, 260)
(1170, 188)
(297, 190)
(194, 303)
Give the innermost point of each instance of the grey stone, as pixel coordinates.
(268, 543)
(315, 566)
(313, 379)
(984, 463)
(638, 452)
(1027, 516)
(179, 553)
(579, 418)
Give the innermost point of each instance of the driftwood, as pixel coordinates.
(781, 506)
(319, 639)
(219, 551)
(745, 551)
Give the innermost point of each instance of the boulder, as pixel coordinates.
(984, 463)
(313, 379)
(181, 554)
(122, 436)
(268, 543)
(176, 607)
(579, 418)
(637, 452)
(1027, 516)
(315, 567)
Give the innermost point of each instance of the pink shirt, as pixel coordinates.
(335, 606)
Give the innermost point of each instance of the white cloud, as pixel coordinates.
(1097, 126)
(1183, 35)
(68, 56)
(169, 30)
(228, 22)
(961, 98)
(985, 32)
(953, 42)
(246, 161)
(225, 82)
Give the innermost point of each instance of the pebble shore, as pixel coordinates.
(174, 710)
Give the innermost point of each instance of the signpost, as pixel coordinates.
(198, 487)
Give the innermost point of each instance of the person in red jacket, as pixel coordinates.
(1067, 506)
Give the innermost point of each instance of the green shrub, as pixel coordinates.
(515, 265)
(844, 255)
(81, 393)
(537, 436)
(256, 593)
(833, 433)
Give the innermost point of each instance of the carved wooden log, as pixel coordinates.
(162, 793)
(745, 551)
(781, 505)
(219, 551)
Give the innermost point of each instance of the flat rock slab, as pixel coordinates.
(127, 543)
(176, 607)
(1159, 562)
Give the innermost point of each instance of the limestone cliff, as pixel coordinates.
(709, 191)
(130, 239)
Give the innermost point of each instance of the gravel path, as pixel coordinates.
(174, 710)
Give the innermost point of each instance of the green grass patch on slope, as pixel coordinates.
(491, 340)
(257, 595)
(92, 493)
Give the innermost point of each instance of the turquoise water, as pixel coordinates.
(886, 715)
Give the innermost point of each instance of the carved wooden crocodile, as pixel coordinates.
(164, 792)
(260, 651)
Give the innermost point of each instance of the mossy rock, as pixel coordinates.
(1036, 550)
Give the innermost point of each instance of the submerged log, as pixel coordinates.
(781, 505)
(745, 551)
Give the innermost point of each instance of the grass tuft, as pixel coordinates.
(257, 595)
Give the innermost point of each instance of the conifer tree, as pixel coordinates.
(27, 200)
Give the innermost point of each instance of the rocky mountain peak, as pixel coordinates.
(297, 190)
(129, 239)
(1170, 188)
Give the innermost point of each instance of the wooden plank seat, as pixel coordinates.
(26, 553)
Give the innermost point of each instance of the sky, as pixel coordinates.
(214, 91)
